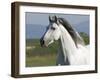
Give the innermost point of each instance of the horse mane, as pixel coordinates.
(74, 34)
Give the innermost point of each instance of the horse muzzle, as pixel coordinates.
(42, 43)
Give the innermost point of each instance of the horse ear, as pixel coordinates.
(50, 19)
(55, 17)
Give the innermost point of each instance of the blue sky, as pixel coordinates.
(36, 23)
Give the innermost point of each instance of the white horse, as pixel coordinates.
(72, 50)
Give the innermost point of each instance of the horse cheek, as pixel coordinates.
(57, 35)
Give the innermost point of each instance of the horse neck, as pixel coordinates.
(67, 44)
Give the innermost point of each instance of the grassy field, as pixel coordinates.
(46, 60)
(38, 56)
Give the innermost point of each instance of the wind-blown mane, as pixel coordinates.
(75, 36)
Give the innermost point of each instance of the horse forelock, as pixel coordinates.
(75, 36)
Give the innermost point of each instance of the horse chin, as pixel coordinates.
(46, 44)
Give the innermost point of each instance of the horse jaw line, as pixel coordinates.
(67, 44)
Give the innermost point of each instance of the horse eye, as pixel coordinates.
(53, 28)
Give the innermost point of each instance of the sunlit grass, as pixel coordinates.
(39, 56)
(46, 60)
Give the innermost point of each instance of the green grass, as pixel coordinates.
(46, 60)
(40, 56)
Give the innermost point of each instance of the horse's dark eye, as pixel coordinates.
(53, 28)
